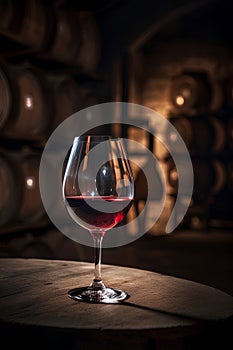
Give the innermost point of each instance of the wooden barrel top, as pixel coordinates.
(34, 292)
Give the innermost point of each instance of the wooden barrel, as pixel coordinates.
(184, 127)
(229, 92)
(5, 98)
(68, 97)
(219, 134)
(209, 178)
(230, 175)
(230, 133)
(220, 176)
(88, 56)
(202, 135)
(11, 13)
(34, 110)
(36, 25)
(31, 207)
(19, 186)
(27, 22)
(6, 15)
(26, 106)
(76, 40)
(196, 217)
(90, 100)
(65, 42)
(9, 190)
(190, 93)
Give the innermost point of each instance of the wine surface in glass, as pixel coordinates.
(80, 208)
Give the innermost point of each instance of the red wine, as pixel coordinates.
(82, 211)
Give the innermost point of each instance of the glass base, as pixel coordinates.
(98, 295)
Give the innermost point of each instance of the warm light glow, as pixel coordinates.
(30, 182)
(196, 221)
(174, 175)
(186, 92)
(173, 137)
(28, 102)
(180, 100)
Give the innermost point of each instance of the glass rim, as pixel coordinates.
(104, 137)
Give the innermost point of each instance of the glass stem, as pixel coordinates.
(97, 280)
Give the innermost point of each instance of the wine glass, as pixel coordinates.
(98, 190)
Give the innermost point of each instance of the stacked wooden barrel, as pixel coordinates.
(19, 187)
(48, 67)
(207, 134)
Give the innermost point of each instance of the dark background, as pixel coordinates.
(138, 48)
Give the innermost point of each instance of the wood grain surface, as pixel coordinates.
(34, 291)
